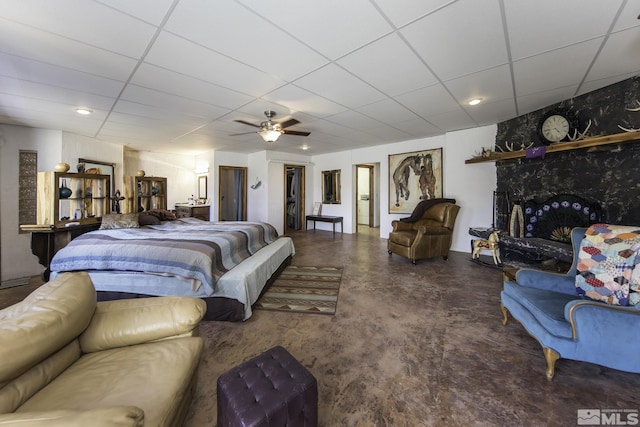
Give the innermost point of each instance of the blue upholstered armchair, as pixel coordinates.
(571, 326)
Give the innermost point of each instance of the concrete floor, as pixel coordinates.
(411, 346)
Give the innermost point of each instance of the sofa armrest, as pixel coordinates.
(401, 225)
(115, 416)
(546, 280)
(128, 322)
(603, 320)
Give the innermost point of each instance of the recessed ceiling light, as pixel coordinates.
(305, 147)
(475, 101)
(84, 111)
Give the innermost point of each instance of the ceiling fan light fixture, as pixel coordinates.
(270, 135)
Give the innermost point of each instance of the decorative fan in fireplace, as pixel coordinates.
(554, 218)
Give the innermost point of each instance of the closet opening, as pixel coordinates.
(294, 216)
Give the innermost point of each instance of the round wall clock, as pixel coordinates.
(555, 126)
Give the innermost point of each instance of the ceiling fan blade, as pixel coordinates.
(244, 133)
(288, 123)
(246, 123)
(295, 132)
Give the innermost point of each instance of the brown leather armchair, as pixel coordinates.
(428, 237)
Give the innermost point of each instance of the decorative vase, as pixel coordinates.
(154, 190)
(65, 192)
(140, 173)
(62, 167)
(80, 167)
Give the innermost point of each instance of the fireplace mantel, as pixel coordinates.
(597, 141)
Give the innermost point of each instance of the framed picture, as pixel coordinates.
(317, 208)
(414, 177)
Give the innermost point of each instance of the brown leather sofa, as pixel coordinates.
(67, 360)
(428, 237)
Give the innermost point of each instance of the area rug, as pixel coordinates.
(303, 290)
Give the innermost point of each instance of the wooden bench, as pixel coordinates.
(326, 218)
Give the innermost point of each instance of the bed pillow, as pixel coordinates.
(146, 219)
(162, 214)
(115, 221)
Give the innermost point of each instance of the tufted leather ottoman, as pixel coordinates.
(272, 389)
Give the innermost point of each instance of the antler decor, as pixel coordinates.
(634, 109)
(511, 147)
(577, 136)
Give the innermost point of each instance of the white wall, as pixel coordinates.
(178, 169)
(471, 185)
(16, 260)
(76, 147)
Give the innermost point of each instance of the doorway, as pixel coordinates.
(232, 194)
(365, 204)
(294, 218)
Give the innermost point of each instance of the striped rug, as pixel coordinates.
(304, 290)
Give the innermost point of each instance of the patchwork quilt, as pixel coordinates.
(608, 264)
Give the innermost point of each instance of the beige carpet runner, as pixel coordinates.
(304, 290)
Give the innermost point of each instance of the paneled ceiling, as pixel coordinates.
(173, 75)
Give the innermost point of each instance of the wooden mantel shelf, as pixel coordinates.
(564, 146)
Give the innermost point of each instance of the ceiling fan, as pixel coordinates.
(270, 131)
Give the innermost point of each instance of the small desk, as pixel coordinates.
(47, 241)
(326, 218)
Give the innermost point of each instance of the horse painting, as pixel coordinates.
(413, 177)
(401, 176)
(427, 179)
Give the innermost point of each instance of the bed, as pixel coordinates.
(226, 263)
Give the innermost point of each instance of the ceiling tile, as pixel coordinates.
(554, 69)
(429, 100)
(58, 76)
(96, 28)
(387, 111)
(233, 30)
(454, 50)
(30, 43)
(372, 61)
(543, 25)
(153, 77)
(418, 128)
(172, 103)
(182, 56)
(299, 99)
(336, 84)
(620, 55)
(26, 89)
(490, 85)
(451, 120)
(152, 11)
(485, 113)
(538, 100)
(354, 120)
(350, 24)
(628, 17)
(401, 12)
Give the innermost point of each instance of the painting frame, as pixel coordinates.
(414, 176)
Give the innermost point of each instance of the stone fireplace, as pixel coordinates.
(606, 179)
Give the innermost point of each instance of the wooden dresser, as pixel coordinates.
(195, 211)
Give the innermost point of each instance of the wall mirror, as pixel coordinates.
(202, 187)
(331, 187)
